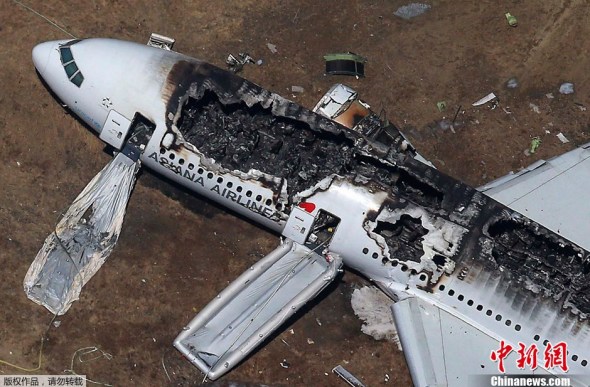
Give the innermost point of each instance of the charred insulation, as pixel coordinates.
(556, 266)
(404, 237)
(243, 138)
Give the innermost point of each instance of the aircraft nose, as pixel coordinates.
(41, 53)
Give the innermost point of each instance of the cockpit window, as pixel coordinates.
(65, 55)
(70, 67)
(77, 79)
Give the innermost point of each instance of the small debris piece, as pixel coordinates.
(535, 108)
(297, 89)
(235, 65)
(310, 341)
(259, 62)
(535, 144)
(441, 105)
(317, 320)
(386, 378)
(488, 98)
(549, 95)
(566, 88)
(512, 83)
(347, 376)
(161, 41)
(272, 48)
(285, 363)
(291, 331)
(56, 323)
(411, 10)
(347, 63)
(562, 138)
(512, 22)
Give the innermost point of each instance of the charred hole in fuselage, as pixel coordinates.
(544, 260)
(516, 243)
(404, 237)
(241, 137)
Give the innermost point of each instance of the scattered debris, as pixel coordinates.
(580, 106)
(235, 65)
(161, 41)
(272, 48)
(566, 88)
(512, 83)
(297, 89)
(373, 307)
(535, 108)
(441, 105)
(535, 144)
(310, 341)
(285, 363)
(549, 95)
(562, 138)
(488, 98)
(345, 64)
(512, 22)
(411, 10)
(85, 355)
(456, 114)
(347, 376)
(386, 379)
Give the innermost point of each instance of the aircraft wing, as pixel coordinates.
(442, 349)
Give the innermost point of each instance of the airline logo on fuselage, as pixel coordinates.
(224, 192)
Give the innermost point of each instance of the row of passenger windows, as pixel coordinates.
(498, 318)
(220, 179)
(67, 60)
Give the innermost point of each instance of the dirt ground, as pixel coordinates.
(177, 251)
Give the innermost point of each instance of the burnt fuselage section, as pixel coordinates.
(425, 221)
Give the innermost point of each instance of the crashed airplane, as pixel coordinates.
(467, 273)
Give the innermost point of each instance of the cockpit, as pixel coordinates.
(69, 63)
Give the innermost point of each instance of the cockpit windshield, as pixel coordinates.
(67, 60)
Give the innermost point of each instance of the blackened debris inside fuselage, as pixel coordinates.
(555, 265)
(243, 138)
(404, 237)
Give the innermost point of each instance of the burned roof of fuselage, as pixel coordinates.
(497, 237)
